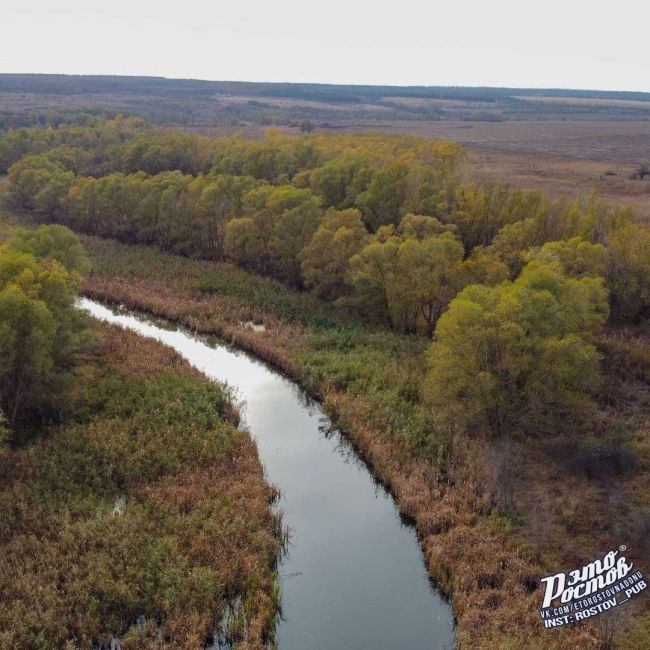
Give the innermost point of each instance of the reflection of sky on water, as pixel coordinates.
(354, 577)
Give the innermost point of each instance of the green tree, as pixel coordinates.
(334, 181)
(406, 282)
(577, 256)
(481, 267)
(382, 203)
(325, 260)
(518, 356)
(421, 227)
(28, 177)
(628, 273)
(291, 232)
(42, 333)
(245, 244)
(52, 242)
(426, 278)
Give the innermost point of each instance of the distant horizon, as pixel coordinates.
(502, 44)
(551, 88)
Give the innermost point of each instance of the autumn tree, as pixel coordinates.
(382, 202)
(338, 181)
(325, 260)
(28, 177)
(577, 256)
(518, 356)
(52, 242)
(406, 281)
(628, 273)
(41, 331)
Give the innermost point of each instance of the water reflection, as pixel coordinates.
(354, 576)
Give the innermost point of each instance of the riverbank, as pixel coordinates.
(349, 557)
(489, 526)
(144, 516)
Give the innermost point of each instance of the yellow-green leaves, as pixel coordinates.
(578, 257)
(628, 273)
(518, 355)
(325, 260)
(406, 281)
(40, 329)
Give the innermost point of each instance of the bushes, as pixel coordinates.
(595, 457)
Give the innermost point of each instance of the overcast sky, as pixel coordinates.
(520, 43)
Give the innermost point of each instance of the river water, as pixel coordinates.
(354, 576)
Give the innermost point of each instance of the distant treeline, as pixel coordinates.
(54, 118)
(338, 93)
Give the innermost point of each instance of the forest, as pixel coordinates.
(469, 319)
(383, 225)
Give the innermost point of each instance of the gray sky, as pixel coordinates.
(551, 43)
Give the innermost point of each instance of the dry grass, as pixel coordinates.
(489, 564)
(195, 532)
(563, 176)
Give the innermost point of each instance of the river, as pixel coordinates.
(353, 577)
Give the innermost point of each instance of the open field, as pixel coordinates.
(617, 141)
(211, 103)
(563, 176)
(562, 158)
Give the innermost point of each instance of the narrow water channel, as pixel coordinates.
(354, 576)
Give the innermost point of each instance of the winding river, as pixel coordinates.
(354, 576)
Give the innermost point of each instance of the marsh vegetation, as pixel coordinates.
(462, 334)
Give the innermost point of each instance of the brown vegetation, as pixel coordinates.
(137, 522)
(488, 563)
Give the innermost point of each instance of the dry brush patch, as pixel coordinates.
(145, 519)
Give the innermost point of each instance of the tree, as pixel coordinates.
(372, 275)
(577, 256)
(306, 126)
(405, 281)
(52, 242)
(421, 227)
(480, 212)
(325, 260)
(481, 267)
(41, 331)
(426, 278)
(28, 177)
(52, 197)
(382, 203)
(333, 181)
(245, 244)
(291, 232)
(518, 356)
(628, 273)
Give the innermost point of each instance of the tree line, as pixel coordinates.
(511, 282)
(349, 216)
